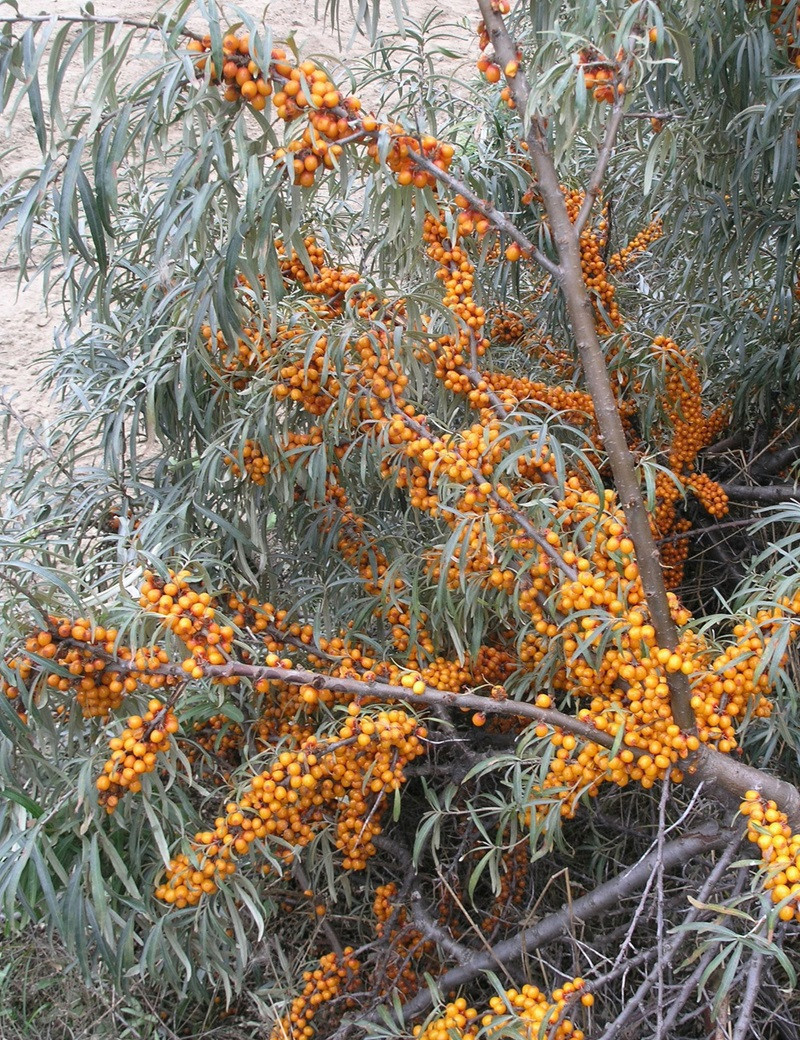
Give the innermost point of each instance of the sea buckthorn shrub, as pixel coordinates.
(347, 672)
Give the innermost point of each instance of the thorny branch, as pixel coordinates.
(602, 898)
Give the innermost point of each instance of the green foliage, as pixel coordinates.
(155, 210)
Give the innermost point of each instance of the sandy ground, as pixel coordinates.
(26, 329)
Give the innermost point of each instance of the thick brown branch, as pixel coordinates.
(773, 462)
(358, 687)
(736, 440)
(726, 778)
(767, 495)
(581, 315)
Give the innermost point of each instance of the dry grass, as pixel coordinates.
(43, 996)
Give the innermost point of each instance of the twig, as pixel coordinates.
(386, 691)
(746, 1008)
(697, 532)
(330, 934)
(778, 460)
(727, 444)
(677, 1003)
(673, 945)
(665, 117)
(422, 919)
(595, 182)
(92, 20)
(492, 214)
(504, 506)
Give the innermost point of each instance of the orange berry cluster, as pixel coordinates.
(626, 685)
(256, 463)
(86, 651)
(306, 86)
(725, 687)
(734, 681)
(322, 280)
(487, 64)
(593, 239)
(192, 876)
(527, 1009)
(257, 466)
(691, 431)
(343, 779)
(306, 89)
(242, 77)
(600, 75)
(457, 274)
(134, 753)
(400, 158)
(334, 976)
(787, 37)
(190, 616)
(24, 667)
(314, 150)
(457, 1022)
(469, 220)
(491, 665)
(641, 241)
(369, 377)
(215, 747)
(709, 494)
(768, 828)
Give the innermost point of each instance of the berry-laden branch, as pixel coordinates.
(595, 183)
(726, 776)
(581, 315)
(115, 671)
(341, 781)
(420, 695)
(496, 217)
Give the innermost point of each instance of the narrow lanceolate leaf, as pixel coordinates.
(444, 533)
(67, 203)
(94, 220)
(31, 57)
